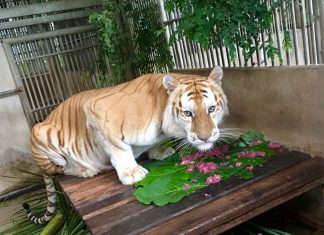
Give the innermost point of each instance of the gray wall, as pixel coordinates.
(14, 133)
(285, 103)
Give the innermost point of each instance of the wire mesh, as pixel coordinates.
(52, 53)
(54, 68)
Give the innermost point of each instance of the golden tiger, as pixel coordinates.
(95, 129)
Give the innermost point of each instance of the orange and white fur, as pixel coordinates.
(94, 130)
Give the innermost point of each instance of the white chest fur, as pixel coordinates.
(147, 137)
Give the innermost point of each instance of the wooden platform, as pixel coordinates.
(108, 207)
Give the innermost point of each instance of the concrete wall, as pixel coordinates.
(14, 133)
(285, 103)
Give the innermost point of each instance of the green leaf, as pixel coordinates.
(242, 144)
(164, 190)
(251, 136)
(245, 174)
(158, 171)
(256, 161)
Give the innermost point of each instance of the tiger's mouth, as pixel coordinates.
(204, 146)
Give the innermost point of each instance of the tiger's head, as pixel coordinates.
(195, 108)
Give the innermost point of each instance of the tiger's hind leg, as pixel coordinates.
(45, 152)
(45, 164)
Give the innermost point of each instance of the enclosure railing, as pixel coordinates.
(303, 19)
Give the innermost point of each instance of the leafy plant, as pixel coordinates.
(187, 171)
(19, 224)
(115, 44)
(227, 23)
(131, 40)
(151, 50)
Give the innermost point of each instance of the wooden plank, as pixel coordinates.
(263, 208)
(72, 183)
(309, 219)
(121, 215)
(114, 203)
(107, 206)
(106, 185)
(87, 208)
(46, 7)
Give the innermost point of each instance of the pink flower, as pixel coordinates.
(217, 151)
(241, 154)
(238, 164)
(274, 146)
(260, 154)
(186, 186)
(190, 168)
(251, 154)
(254, 143)
(205, 167)
(214, 179)
(187, 160)
(250, 168)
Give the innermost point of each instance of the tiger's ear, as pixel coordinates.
(216, 75)
(169, 83)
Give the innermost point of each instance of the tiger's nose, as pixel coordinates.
(203, 137)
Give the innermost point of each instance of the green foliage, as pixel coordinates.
(19, 224)
(115, 45)
(170, 180)
(251, 136)
(53, 225)
(166, 188)
(131, 40)
(227, 23)
(266, 230)
(151, 50)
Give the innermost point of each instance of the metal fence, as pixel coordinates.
(50, 55)
(304, 20)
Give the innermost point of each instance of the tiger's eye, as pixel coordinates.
(211, 109)
(187, 113)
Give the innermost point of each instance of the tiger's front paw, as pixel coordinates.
(132, 176)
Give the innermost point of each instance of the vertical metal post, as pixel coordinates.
(294, 32)
(163, 18)
(304, 32)
(321, 17)
(18, 81)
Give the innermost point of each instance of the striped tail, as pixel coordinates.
(51, 201)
